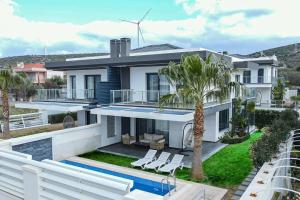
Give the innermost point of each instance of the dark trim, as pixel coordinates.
(141, 60)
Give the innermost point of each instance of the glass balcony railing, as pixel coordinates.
(65, 95)
(150, 98)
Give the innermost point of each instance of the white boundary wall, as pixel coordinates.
(69, 142)
(23, 178)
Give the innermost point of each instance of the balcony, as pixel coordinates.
(150, 98)
(65, 95)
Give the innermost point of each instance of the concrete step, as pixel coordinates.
(242, 187)
(235, 197)
(239, 192)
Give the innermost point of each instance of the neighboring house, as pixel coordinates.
(257, 74)
(36, 72)
(121, 91)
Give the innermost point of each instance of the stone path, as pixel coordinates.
(242, 188)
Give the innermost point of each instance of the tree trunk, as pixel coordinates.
(5, 110)
(197, 171)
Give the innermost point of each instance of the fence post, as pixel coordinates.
(31, 177)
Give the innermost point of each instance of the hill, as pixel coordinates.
(288, 56)
(13, 60)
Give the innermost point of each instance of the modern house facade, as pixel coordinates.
(257, 74)
(121, 90)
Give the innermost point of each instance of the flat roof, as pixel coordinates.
(146, 113)
(53, 106)
(135, 59)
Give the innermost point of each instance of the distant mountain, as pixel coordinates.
(288, 55)
(13, 60)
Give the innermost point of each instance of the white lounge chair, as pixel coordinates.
(162, 160)
(149, 157)
(173, 165)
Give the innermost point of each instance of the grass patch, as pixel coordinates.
(227, 168)
(34, 130)
(17, 111)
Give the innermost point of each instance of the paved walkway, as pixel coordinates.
(209, 148)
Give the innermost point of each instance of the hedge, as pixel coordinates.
(265, 118)
(59, 118)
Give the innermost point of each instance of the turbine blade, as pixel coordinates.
(128, 21)
(140, 30)
(145, 15)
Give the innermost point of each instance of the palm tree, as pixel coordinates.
(195, 80)
(8, 80)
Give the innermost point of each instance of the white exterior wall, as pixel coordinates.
(103, 129)
(138, 77)
(80, 82)
(51, 73)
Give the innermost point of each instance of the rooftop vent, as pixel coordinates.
(125, 47)
(114, 48)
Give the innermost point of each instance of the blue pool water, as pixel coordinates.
(138, 183)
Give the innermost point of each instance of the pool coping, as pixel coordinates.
(185, 189)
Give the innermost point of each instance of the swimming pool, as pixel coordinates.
(138, 183)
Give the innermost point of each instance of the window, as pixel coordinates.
(73, 86)
(223, 119)
(156, 85)
(111, 126)
(90, 85)
(247, 76)
(237, 78)
(260, 76)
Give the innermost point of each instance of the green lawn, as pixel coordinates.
(17, 111)
(227, 168)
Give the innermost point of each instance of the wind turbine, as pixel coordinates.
(138, 23)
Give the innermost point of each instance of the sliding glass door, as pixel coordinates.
(156, 86)
(90, 85)
(73, 87)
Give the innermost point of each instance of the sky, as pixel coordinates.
(82, 26)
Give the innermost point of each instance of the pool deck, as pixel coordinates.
(185, 189)
(208, 149)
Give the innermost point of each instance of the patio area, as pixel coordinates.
(136, 151)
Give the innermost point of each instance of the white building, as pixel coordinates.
(120, 91)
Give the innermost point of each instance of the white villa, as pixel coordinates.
(120, 91)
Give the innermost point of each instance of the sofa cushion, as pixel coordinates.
(145, 141)
(158, 137)
(148, 136)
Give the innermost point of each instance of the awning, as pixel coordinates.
(52, 106)
(146, 113)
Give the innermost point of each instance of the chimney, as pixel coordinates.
(125, 47)
(114, 48)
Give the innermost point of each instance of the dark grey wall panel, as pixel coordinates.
(40, 149)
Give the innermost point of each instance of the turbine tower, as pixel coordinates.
(138, 23)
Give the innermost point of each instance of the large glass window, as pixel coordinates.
(260, 76)
(223, 119)
(90, 85)
(156, 86)
(151, 126)
(247, 76)
(111, 126)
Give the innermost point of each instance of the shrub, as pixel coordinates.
(59, 118)
(229, 139)
(265, 118)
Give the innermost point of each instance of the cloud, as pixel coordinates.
(219, 25)
(248, 18)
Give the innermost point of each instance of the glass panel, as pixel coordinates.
(162, 128)
(260, 77)
(223, 119)
(247, 76)
(152, 87)
(110, 126)
(164, 86)
(73, 86)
